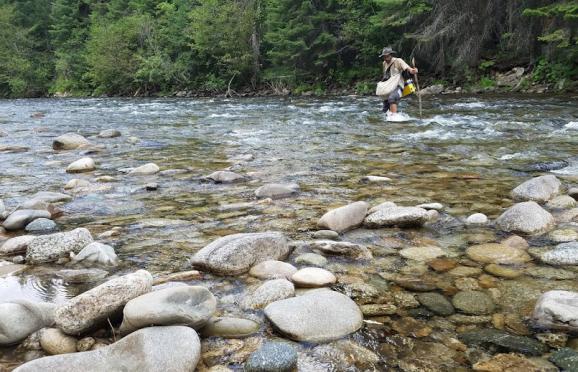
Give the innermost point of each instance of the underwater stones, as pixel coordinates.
(272, 356)
(507, 362)
(557, 310)
(563, 254)
(525, 218)
(563, 235)
(81, 165)
(423, 254)
(22, 217)
(498, 254)
(565, 358)
(436, 303)
(41, 225)
(538, 189)
(519, 344)
(268, 292)
(344, 218)
(397, 216)
(145, 170)
(82, 275)
(96, 253)
(109, 133)
(503, 271)
(473, 302)
(341, 249)
(76, 183)
(48, 248)
(227, 327)
(21, 318)
(477, 219)
(312, 259)
(319, 317)
(312, 277)
(561, 202)
(69, 141)
(225, 177)
(276, 190)
(273, 270)
(236, 254)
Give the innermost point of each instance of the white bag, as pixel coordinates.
(385, 88)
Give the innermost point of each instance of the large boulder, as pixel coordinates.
(526, 218)
(236, 254)
(173, 348)
(186, 305)
(20, 218)
(538, 189)
(81, 165)
(17, 245)
(96, 253)
(93, 307)
(21, 318)
(397, 216)
(48, 248)
(69, 141)
(344, 218)
(319, 317)
(557, 310)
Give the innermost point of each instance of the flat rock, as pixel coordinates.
(397, 216)
(93, 307)
(277, 190)
(312, 259)
(55, 342)
(227, 327)
(225, 177)
(325, 235)
(173, 348)
(69, 141)
(48, 248)
(525, 218)
(82, 275)
(12, 149)
(17, 245)
(273, 356)
(344, 218)
(109, 133)
(183, 305)
(341, 249)
(81, 165)
(436, 303)
(312, 277)
(498, 254)
(431, 206)
(97, 253)
(563, 254)
(518, 344)
(145, 170)
(269, 292)
(22, 217)
(423, 254)
(21, 318)
(273, 270)
(41, 225)
(503, 271)
(473, 302)
(538, 189)
(557, 310)
(236, 254)
(319, 317)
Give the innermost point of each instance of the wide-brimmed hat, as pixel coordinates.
(386, 51)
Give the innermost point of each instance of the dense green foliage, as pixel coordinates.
(143, 47)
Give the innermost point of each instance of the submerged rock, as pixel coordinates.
(519, 344)
(69, 141)
(565, 358)
(273, 356)
(423, 254)
(436, 303)
(498, 254)
(539, 189)
(48, 248)
(173, 348)
(145, 170)
(507, 362)
(97, 253)
(22, 217)
(312, 259)
(276, 190)
(236, 254)
(321, 316)
(473, 302)
(344, 218)
(41, 225)
(82, 275)
(397, 216)
(526, 218)
(81, 165)
(21, 318)
(341, 248)
(92, 307)
(230, 327)
(561, 202)
(109, 133)
(225, 177)
(557, 310)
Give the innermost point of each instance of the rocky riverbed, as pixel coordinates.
(282, 235)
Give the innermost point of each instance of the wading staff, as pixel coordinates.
(417, 85)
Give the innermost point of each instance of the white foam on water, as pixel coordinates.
(470, 105)
(571, 169)
(573, 125)
(225, 115)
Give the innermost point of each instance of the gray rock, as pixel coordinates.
(325, 235)
(49, 248)
(550, 273)
(54, 341)
(225, 177)
(21, 318)
(384, 205)
(436, 303)
(423, 254)
(539, 189)
(11, 269)
(276, 190)
(473, 302)
(432, 90)
(186, 305)
(563, 254)
(97, 253)
(82, 275)
(93, 307)
(397, 216)
(69, 141)
(320, 316)
(566, 359)
(518, 344)
(557, 310)
(49, 197)
(3, 212)
(76, 184)
(312, 259)
(17, 245)
(230, 327)
(341, 249)
(344, 218)
(525, 218)
(81, 166)
(273, 270)
(312, 277)
(498, 254)
(272, 357)
(431, 206)
(145, 170)
(20, 218)
(268, 292)
(41, 225)
(477, 219)
(109, 133)
(174, 348)
(236, 254)
(561, 202)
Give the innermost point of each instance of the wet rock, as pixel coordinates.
(423, 254)
(318, 317)
(17, 245)
(85, 344)
(431, 206)
(384, 205)
(82, 275)
(41, 225)
(503, 271)
(90, 308)
(370, 310)
(565, 358)
(11, 269)
(54, 342)
(69, 141)
(525, 218)
(432, 90)
(236, 254)
(145, 170)
(183, 276)
(344, 218)
(3, 212)
(81, 165)
(563, 236)
(273, 270)
(561, 202)
(225, 177)
(276, 190)
(341, 248)
(436, 303)
(109, 133)
(473, 302)
(312, 259)
(345, 355)
(97, 253)
(516, 241)
(173, 348)
(464, 271)
(498, 254)
(442, 264)
(397, 216)
(325, 235)
(76, 184)
(185, 305)
(272, 357)
(563, 254)
(312, 277)
(228, 351)
(48, 248)
(416, 284)
(47, 197)
(557, 310)
(554, 340)
(477, 219)
(22, 217)
(269, 292)
(375, 179)
(518, 344)
(550, 273)
(538, 189)
(506, 363)
(21, 318)
(230, 327)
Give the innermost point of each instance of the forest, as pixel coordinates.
(146, 47)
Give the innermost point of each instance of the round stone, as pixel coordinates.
(81, 165)
(423, 254)
(563, 236)
(311, 277)
(473, 302)
(230, 327)
(41, 225)
(272, 270)
(497, 253)
(436, 303)
(312, 259)
(54, 342)
(272, 357)
(503, 271)
(477, 219)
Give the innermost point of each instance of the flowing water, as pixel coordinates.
(466, 153)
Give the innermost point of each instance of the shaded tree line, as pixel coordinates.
(144, 47)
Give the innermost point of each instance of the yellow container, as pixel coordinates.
(408, 88)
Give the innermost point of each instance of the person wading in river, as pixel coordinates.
(391, 67)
